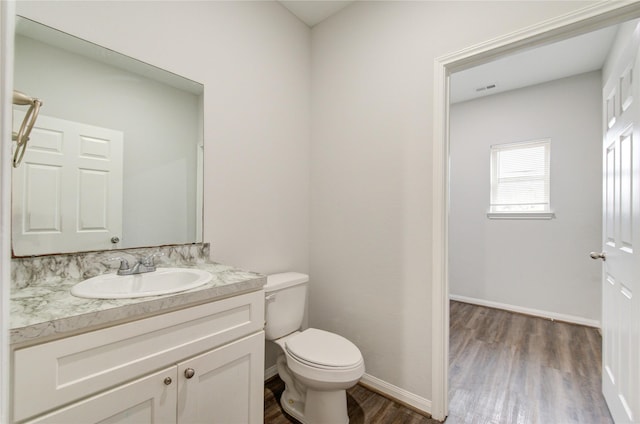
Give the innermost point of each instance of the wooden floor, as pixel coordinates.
(512, 368)
(505, 368)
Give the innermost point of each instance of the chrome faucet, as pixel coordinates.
(144, 265)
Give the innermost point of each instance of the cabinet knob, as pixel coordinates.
(189, 372)
(167, 381)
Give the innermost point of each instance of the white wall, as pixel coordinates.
(534, 264)
(160, 127)
(253, 59)
(371, 174)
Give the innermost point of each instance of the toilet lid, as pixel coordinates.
(323, 348)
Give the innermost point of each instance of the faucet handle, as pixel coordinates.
(124, 264)
(148, 261)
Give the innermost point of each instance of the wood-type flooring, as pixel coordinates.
(504, 368)
(511, 368)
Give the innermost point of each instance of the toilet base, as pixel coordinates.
(311, 406)
(320, 407)
(292, 407)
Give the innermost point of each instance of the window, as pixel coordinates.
(520, 180)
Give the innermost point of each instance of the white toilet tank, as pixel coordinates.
(285, 298)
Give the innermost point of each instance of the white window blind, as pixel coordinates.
(520, 177)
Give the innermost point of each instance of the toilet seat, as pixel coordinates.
(324, 350)
(319, 376)
(323, 367)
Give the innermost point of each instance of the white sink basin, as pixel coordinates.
(161, 281)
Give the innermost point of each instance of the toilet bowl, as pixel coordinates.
(316, 366)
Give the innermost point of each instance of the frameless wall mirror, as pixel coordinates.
(115, 159)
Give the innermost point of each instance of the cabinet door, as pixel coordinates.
(146, 400)
(76, 367)
(226, 386)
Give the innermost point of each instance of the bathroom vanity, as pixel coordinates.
(192, 356)
(188, 357)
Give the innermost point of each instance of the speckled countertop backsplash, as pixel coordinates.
(31, 270)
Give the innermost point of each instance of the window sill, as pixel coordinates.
(521, 215)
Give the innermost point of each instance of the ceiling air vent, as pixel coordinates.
(486, 88)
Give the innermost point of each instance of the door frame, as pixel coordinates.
(576, 23)
(7, 24)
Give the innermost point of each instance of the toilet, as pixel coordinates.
(316, 366)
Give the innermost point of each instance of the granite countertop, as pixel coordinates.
(47, 310)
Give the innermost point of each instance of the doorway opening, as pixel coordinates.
(520, 233)
(587, 20)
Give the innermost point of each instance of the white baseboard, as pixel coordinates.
(396, 393)
(270, 372)
(528, 311)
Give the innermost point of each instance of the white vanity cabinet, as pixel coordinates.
(227, 384)
(146, 400)
(203, 363)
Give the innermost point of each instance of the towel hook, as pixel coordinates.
(22, 136)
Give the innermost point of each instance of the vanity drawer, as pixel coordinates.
(52, 374)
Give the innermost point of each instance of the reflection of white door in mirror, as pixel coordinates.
(67, 193)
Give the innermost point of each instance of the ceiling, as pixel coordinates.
(312, 12)
(573, 56)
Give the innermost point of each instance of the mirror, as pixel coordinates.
(115, 159)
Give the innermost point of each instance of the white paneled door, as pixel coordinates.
(67, 193)
(621, 236)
